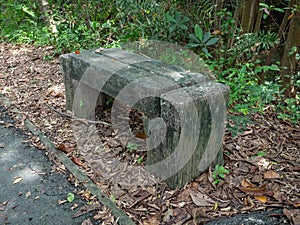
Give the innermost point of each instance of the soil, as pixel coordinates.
(263, 160)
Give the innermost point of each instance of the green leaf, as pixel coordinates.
(192, 45)
(28, 11)
(194, 38)
(212, 41)
(274, 67)
(261, 154)
(265, 16)
(113, 198)
(132, 146)
(183, 27)
(206, 37)
(279, 10)
(70, 197)
(263, 5)
(198, 32)
(217, 181)
(170, 18)
(222, 175)
(204, 50)
(140, 160)
(293, 50)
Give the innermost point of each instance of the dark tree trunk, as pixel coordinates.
(288, 60)
(248, 15)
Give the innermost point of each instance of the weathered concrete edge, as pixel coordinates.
(123, 219)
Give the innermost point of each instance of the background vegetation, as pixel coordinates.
(252, 46)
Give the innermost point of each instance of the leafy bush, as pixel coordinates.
(215, 36)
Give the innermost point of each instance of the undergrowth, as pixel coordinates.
(89, 24)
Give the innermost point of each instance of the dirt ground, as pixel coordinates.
(263, 161)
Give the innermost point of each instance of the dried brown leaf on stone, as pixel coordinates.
(17, 179)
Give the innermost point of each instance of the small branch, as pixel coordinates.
(82, 120)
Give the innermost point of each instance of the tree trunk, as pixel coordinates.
(258, 18)
(218, 7)
(288, 61)
(281, 33)
(249, 15)
(45, 11)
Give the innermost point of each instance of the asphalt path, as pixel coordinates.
(29, 191)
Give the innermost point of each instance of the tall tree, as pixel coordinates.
(249, 15)
(288, 60)
(46, 13)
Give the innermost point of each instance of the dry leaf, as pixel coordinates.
(200, 199)
(61, 202)
(55, 91)
(17, 180)
(251, 189)
(278, 196)
(262, 199)
(86, 209)
(270, 174)
(254, 191)
(141, 135)
(152, 220)
(246, 183)
(87, 222)
(296, 203)
(87, 195)
(77, 161)
(65, 149)
(263, 162)
(290, 16)
(28, 194)
(293, 215)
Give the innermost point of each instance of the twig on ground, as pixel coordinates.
(76, 119)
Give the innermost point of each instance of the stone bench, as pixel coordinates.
(184, 112)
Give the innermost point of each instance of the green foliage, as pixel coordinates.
(238, 123)
(70, 197)
(113, 198)
(219, 173)
(268, 8)
(261, 154)
(230, 54)
(290, 110)
(20, 23)
(132, 146)
(201, 40)
(140, 160)
(176, 25)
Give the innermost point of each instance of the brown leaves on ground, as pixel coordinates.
(293, 215)
(255, 182)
